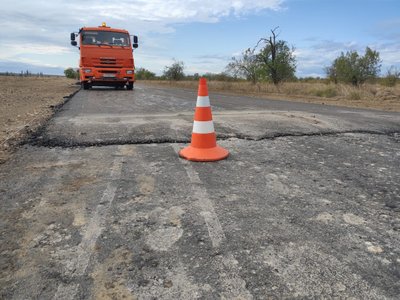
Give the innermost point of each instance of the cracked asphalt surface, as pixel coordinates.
(98, 205)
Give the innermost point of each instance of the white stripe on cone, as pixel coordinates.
(203, 127)
(203, 101)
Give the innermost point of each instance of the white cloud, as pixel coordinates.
(37, 32)
(180, 11)
(313, 59)
(212, 65)
(42, 27)
(157, 62)
(13, 50)
(149, 15)
(35, 62)
(390, 55)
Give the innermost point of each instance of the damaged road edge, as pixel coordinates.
(39, 140)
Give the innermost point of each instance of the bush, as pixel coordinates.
(175, 71)
(71, 73)
(354, 68)
(144, 74)
(328, 92)
(354, 96)
(391, 78)
(219, 77)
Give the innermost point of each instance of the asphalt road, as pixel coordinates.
(155, 115)
(98, 205)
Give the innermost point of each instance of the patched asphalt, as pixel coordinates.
(98, 205)
(156, 115)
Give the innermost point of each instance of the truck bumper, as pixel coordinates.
(107, 77)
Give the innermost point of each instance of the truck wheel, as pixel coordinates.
(129, 86)
(85, 85)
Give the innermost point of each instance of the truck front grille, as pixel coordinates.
(108, 62)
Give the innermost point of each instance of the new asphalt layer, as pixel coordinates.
(98, 205)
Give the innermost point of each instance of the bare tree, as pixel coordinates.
(277, 58)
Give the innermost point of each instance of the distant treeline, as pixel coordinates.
(175, 72)
(143, 74)
(273, 60)
(27, 73)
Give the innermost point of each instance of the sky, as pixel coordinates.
(205, 34)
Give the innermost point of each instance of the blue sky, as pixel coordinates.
(203, 34)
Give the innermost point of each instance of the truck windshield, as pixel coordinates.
(94, 37)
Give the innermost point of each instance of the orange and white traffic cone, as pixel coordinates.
(204, 140)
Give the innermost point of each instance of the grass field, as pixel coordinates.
(372, 96)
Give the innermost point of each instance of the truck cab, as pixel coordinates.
(106, 56)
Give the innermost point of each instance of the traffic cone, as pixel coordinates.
(204, 140)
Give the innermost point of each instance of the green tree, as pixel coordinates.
(174, 71)
(71, 73)
(276, 58)
(144, 74)
(247, 66)
(352, 68)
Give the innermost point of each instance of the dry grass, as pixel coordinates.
(372, 96)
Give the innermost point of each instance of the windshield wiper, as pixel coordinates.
(104, 45)
(112, 44)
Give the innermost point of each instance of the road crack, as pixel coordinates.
(40, 141)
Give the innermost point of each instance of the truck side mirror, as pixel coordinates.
(72, 36)
(74, 43)
(135, 42)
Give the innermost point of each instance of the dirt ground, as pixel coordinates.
(26, 103)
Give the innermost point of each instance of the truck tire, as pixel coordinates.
(129, 86)
(85, 85)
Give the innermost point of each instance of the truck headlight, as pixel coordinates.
(129, 72)
(87, 70)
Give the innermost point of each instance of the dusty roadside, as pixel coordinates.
(27, 102)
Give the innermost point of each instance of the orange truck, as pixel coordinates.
(106, 56)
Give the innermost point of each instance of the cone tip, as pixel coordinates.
(203, 80)
(203, 90)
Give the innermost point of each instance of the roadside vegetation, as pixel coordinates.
(71, 73)
(374, 96)
(268, 69)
